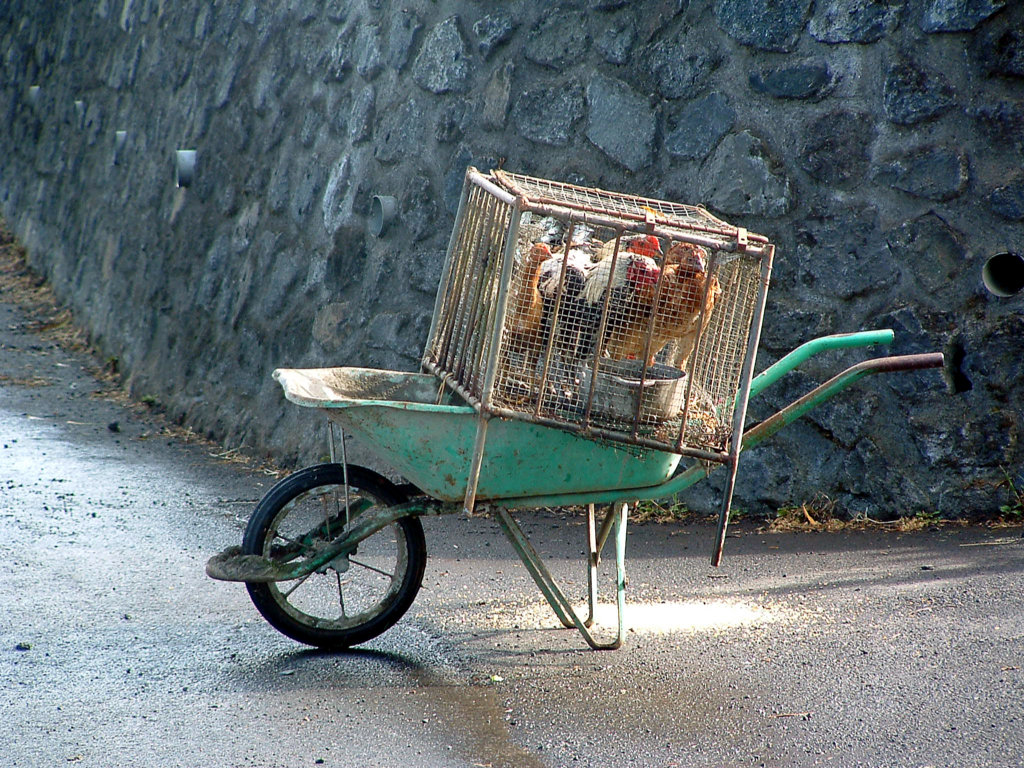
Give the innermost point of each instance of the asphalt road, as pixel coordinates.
(804, 649)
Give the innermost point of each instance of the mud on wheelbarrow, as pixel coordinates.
(517, 416)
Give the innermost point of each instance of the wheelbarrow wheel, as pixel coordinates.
(356, 597)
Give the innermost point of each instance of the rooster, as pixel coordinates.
(569, 324)
(684, 303)
(631, 289)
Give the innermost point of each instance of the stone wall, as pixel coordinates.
(879, 144)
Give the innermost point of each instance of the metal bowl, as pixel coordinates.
(619, 393)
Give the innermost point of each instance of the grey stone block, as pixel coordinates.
(399, 133)
(442, 63)
(1001, 122)
(452, 121)
(699, 126)
(559, 39)
(957, 15)
(837, 149)
(368, 58)
(772, 25)
(620, 122)
(911, 95)
(999, 49)
(332, 204)
(615, 43)
(931, 172)
(854, 21)
(845, 255)
(547, 115)
(496, 97)
(679, 69)
(804, 80)
(493, 30)
(741, 179)
(1008, 200)
(425, 270)
(934, 254)
(360, 118)
(419, 208)
(405, 26)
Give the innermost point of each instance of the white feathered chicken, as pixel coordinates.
(631, 288)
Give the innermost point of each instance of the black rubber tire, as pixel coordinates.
(290, 510)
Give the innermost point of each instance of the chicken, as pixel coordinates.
(631, 290)
(645, 245)
(538, 289)
(578, 262)
(524, 320)
(685, 291)
(569, 321)
(693, 272)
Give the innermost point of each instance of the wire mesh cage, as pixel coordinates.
(613, 315)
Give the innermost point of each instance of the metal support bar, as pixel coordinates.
(531, 559)
(501, 304)
(369, 522)
(593, 560)
(552, 592)
(595, 543)
(606, 528)
(476, 462)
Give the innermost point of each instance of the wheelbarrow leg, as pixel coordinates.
(620, 566)
(724, 513)
(594, 560)
(596, 541)
(549, 588)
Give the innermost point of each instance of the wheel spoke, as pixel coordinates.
(369, 567)
(341, 594)
(326, 506)
(298, 583)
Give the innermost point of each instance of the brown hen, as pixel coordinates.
(525, 319)
(678, 312)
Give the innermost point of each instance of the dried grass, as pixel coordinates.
(21, 286)
(820, 514)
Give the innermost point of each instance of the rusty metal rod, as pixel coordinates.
(762, 431)
(739, 414)
(649, 217)
(688, 233)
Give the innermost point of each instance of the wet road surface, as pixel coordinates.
(860, 648)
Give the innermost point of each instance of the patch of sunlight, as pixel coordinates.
(693, 617)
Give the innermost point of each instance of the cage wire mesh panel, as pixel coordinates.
(465, 314)
(615, 315)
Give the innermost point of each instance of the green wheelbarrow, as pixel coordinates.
(334, 554)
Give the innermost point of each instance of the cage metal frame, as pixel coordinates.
(507, 196)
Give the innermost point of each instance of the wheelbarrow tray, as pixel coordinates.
(395, 413)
